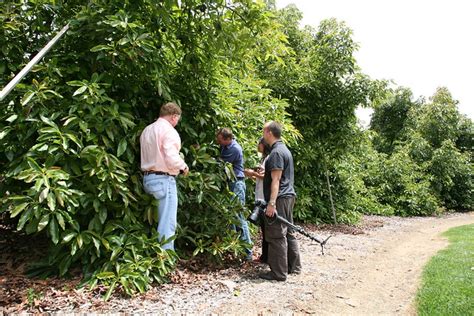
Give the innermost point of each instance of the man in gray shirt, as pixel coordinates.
(279, 193)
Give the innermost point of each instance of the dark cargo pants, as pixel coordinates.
(283, 251)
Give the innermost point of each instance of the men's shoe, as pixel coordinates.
(295, 271)
(269, 276)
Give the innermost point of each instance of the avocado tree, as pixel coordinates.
(428, 139)
(323, 86)
(69, 167)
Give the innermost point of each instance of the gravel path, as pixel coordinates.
(371, 269)
(375, 271)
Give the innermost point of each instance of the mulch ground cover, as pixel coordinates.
(21, 293)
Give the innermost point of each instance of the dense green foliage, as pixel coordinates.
(448, 278)
(416, 159)
(69, 165)
(389, 119)
(323, 86)
(69, 132)
(428, 145)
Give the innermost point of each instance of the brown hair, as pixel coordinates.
(266, 148)
(170, 108)
(225, 132)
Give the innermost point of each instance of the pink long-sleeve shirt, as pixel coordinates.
(159, 146)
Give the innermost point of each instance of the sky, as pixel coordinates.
(419, 44)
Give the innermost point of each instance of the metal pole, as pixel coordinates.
(330, 197)
(30, 65)
(300, 230)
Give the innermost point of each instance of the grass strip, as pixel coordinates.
(448, 278)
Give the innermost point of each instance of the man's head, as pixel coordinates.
(224, 136)
(171, 112)
(272, 132)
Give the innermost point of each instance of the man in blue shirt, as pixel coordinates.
(231, 152)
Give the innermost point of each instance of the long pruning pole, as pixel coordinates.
(32, 62)
(300, 230)
(330, 198)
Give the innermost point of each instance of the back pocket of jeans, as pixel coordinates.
(157, 188)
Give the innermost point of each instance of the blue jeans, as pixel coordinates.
(163, 188)
(238, 187)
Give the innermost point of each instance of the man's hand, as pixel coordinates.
(260, 173)
(271, 210)
(249, 173)
(185, 171)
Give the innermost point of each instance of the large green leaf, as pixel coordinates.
(54, 230)
(44, 221)
(18, 208)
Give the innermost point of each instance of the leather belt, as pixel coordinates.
(160, 173)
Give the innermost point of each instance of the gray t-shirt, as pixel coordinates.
(280, 158)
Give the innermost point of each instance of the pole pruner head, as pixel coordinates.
(324, 243)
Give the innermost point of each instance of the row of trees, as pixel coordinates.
(416, 159)
(69, 166)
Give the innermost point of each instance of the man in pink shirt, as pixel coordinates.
(161, 163)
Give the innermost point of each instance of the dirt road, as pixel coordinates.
(373, 273)
(373, 269)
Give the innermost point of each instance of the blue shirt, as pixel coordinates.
(233, 154)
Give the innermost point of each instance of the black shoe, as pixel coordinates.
(269, 276)
(261, 260)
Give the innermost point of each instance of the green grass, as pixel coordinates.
(448, 279)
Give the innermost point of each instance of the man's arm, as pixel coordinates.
(254, 174)
(275, 187)
(171, 145)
